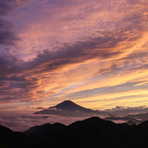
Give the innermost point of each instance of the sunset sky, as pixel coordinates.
(93, 52)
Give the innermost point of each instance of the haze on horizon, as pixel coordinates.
(94, 53)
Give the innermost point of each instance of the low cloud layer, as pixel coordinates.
(24, 122)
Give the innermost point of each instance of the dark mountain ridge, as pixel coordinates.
(11, 139)
(92, 132)
(44, 129)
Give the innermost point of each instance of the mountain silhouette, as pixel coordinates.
(92, 132)
(45, 129)
(69, 108)
(11, 139)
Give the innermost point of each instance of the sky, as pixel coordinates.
(94, 53)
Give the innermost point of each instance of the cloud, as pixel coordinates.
(6, 7)
(40, 108)
(68, 22)
(7, 35)
(23, 82)
(79, 52)
(133, 112)
(67, 48)
(127, 109)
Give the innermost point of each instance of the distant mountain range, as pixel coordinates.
(69, 108)
(93, 132)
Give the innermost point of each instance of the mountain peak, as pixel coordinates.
(66, 102)
(67, 105)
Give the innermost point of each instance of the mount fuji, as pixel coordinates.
(69, 108)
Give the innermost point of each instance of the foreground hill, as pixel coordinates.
(93, 132)
(69, 108)
(11, 139)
